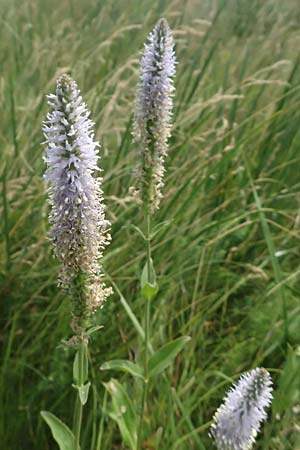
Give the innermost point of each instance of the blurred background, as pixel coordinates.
(228, 258)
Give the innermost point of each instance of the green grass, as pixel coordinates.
(228, 259)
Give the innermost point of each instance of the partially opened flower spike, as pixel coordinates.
(239, 418)
(153, 111)
(79, 230)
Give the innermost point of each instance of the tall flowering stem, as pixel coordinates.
(239, 418)
(152, 128)
(78, 225)
(79, 230)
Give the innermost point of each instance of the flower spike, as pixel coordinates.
(79, 230)
(238, 420)
(153, 111)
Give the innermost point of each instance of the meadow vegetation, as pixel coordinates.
(227, 257)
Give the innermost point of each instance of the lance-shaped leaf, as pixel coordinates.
(123, 365)
(123, 412)
(163, 357)
(60, 431)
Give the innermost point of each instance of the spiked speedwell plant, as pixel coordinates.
(79, 230)
(152, 127)
(151, 131)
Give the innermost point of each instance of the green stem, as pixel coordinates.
(148, 237)
(147, 335)
(78, 422)
(80, 377)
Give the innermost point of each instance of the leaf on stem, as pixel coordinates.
(149, 286)
(123, 365)
(135, 228)
(123, 412)
(163, 357)
(93, 330)
(83, 392)
(80, 366)
(159, 227)
(60, 431)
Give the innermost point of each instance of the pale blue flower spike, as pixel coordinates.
(153, 110)
(79, 230)
(239, 418)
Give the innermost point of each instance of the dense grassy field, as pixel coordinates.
(228, 258)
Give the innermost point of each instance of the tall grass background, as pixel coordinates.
(228, 257)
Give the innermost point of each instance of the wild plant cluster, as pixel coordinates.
(80, 233)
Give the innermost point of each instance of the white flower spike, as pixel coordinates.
(79, 230)
(238, 420)
(153, 111)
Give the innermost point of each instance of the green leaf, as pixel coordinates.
(159, 227)
(148, 278)
(83, 392)
(163, 357)
(149, 291)
(80, 366)
(134, 227)
(124, 366)
(149, 286)
(92, 330)
(60, 431)
(123, 412)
